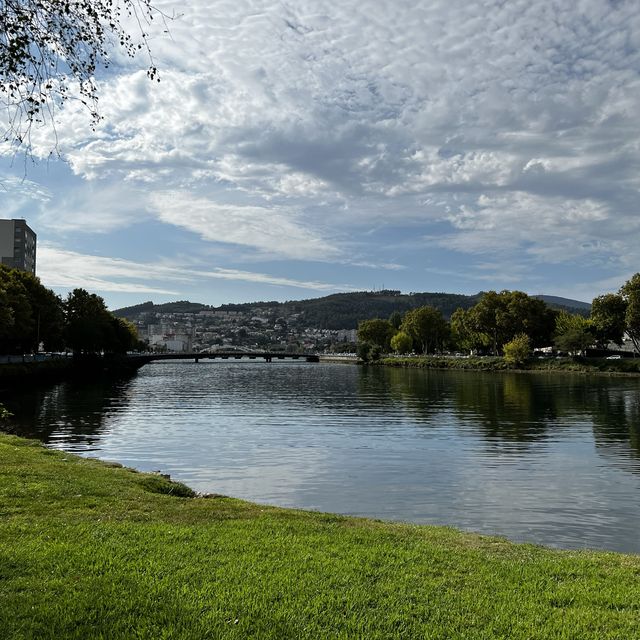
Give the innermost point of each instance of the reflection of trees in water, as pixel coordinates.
(73, 411)
(616, 421)
(519, 408)
(509, 407)
(421, 395)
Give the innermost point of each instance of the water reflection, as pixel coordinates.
(547, 458)
(516, 408)
(71, 413)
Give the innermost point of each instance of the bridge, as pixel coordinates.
(267, 356)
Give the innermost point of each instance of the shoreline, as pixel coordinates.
(59, 370)
(582, 366)
(96, 548)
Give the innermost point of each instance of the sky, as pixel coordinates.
(296, 149)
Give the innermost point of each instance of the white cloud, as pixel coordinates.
(69, 269)
(271, 230)
(293, 129)
(553, 230)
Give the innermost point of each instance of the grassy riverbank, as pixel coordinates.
(89, 550)
(627, 366)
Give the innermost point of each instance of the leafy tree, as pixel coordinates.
(46, 311)
(6, 313)
(89, 327)
(630, 292)
(427, 328)
(517, 351)
(376, 331)
(499, 317)
(464, 333)
(402, 342)
(363, 351)
(125, 336)
(574, 333)
(608, 318)
(16, 317)
(50, 50)
(395, 319)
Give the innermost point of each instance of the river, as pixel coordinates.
(546, 458)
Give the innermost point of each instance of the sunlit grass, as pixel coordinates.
(89, 550)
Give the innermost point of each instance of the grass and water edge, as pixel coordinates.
(89, 549)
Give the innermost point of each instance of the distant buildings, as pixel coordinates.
(17, 245)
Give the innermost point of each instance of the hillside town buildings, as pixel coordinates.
(214, 329)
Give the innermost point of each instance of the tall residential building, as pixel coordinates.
(17, 245)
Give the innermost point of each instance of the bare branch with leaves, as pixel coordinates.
(49, 53)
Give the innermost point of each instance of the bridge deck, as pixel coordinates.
(268, 356)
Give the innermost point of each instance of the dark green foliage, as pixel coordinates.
(575, 340)
(427, 328)
(624, 366)
(608, 318)
(395, 319)
(630, 292)
(499, 317)
(363, 350)
(368, 352)
(90, 328)
(376, 331)
(565, 304)
(29, 313)
(338, 311)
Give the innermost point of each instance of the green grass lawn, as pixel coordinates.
(89, 550)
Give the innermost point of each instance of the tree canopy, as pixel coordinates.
(499, 317)
(401, 342)
(427, 327)
(630, 292)
(376, 331)
(608, 318)
(31, 315)
(574, 333)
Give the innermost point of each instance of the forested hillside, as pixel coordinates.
(341, 310)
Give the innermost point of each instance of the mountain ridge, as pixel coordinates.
(344, 310)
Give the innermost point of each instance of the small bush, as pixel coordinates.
(518, 350)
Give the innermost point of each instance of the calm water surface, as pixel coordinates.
(552, 459)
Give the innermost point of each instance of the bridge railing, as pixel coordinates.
(33, 357)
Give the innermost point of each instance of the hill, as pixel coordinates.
(566, 304)
(343, 310)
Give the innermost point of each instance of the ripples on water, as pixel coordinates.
(553, 459)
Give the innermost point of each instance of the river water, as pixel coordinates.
(551, 459)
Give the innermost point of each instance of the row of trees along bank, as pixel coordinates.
(508, 323)
(32, 316)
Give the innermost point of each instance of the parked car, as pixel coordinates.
(614, 357)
